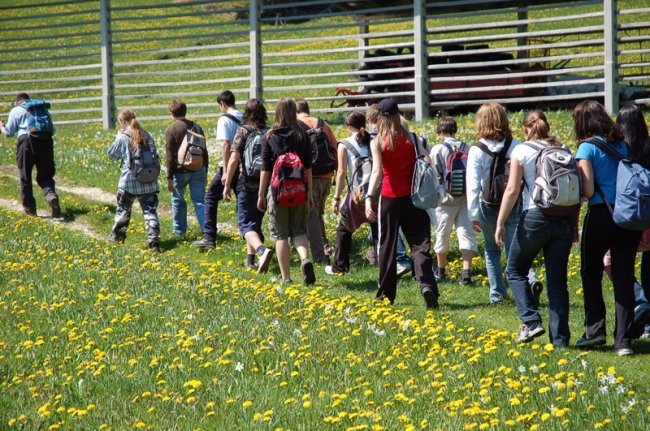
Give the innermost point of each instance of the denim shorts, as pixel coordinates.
(249, 218)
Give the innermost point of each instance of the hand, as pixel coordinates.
(370, 213)
(477, 226)
(576, 236)
(2, 123)
(335, 206)
(226, 193)
(261, 203)
(499, 234)
(224, 178)
(170, 185)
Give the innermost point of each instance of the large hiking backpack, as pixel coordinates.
(253, 152)
(425, 187)
(360, 175)
(455, 173)
(144, 161)
(632, 207)
(192, 150)
(557, 190)
(492, 193)
(38, 117)
(323, 155)
(288, 179)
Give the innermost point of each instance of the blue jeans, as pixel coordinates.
(488, 219)
(196, 181)
(402, 256)
(537, 231)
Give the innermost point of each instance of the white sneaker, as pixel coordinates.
(526, 334)
(402, 269)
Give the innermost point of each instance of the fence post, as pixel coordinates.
(255, 37)
(108, 96)
(611, 61)
(421, 74)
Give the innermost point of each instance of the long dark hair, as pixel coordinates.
(357, 120)
(285, 116)
(590, 119)
(635, 132)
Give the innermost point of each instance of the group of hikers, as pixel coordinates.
(524, 197)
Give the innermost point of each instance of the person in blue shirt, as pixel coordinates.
(600, 233)
(33, 149)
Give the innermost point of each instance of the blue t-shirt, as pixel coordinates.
(605, 168)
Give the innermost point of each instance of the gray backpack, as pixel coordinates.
(144, 163)
(558, 189)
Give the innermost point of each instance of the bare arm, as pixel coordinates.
(229, 174)
(587, 174)
(509, 199)
(374, 178)
(342, 158)
(265, 178)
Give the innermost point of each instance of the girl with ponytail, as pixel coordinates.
(536, 231)
(128, 138)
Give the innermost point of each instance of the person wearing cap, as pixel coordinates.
(393, 156)
(33, 149)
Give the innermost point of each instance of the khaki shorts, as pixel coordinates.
(286, 222)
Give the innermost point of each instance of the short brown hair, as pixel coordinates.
(447, 125)
(372, 113)
(177, 108)
(302, 107)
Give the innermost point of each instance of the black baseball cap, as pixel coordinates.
(388, 107)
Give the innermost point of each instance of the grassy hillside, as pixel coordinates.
(101, 336)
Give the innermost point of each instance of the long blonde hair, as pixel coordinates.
(388, 128)
(492, 122)
(137, 132)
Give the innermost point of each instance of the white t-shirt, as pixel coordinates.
(527, 158)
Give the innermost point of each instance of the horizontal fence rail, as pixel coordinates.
(91, 58)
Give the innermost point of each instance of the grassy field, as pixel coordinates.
(101, 336)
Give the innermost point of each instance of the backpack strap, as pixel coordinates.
(485, 149)
(535, 145)
(605, 147)
(416, 146)
(232, 117)
(320, 123)
(348, 145)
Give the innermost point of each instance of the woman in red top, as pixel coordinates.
(394, 161)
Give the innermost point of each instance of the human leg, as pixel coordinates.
(25, 163)
(179, 205)
(315, 222)
(197, 194)
(43, 149)
(211, 205)
(389, 213)
(149, 205)
(623, 258)
(487, 218)
(122, 216)
(445, 215)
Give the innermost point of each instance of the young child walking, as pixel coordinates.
(133, 141)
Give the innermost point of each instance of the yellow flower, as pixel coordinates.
(247, 404)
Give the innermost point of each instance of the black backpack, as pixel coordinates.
(323, 155)
(494, 187)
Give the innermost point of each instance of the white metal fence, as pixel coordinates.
(92, 57)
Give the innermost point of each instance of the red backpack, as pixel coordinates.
(289, 180)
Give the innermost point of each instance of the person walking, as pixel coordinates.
(452, 210)
(124, 147)
(227, 125)
(536, 231)
(242, 160)
(287, 222)
(595, 129)
(394, 155)
(34, 149)
(180, 178)
(322, 184)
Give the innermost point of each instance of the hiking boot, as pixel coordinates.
(537, 288)
(307, 269)
(403, 268)
(30, 211)
(527, 334)
(466, 278)
(430, 298)
(115, 238)
(252, 266)
(264, 260)
(587, 343)
(203, 244)
(56, 209)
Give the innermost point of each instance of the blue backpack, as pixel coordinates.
(38, 117)
(632, 206)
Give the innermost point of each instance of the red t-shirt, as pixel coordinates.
(398, 165)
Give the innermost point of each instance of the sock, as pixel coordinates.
(250, 259)
(466, 274)
(441, 271)
(260, 250)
